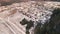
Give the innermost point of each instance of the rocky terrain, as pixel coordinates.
(12, 15)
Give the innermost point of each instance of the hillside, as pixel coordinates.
(11, 15)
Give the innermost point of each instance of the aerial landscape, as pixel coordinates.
(29, 16)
